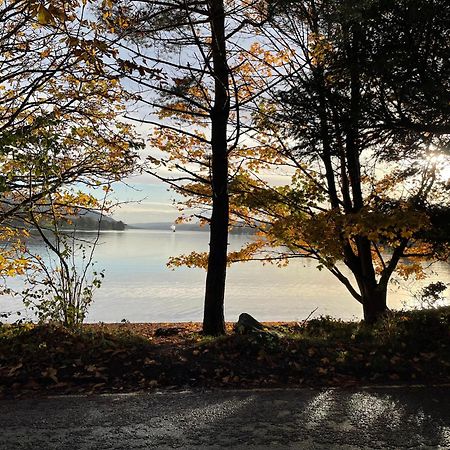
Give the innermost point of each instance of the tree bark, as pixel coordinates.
(373, 294)
(374, 303)
(213, 318)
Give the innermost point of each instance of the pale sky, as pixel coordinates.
(146, 200)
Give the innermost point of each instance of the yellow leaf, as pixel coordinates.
(43, 16)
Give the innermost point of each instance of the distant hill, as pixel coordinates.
(90, 220)
(86, 220)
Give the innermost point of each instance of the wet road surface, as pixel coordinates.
(376, 418)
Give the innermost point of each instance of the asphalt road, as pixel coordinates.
(262, 419)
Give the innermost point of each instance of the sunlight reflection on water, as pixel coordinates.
(140, 288)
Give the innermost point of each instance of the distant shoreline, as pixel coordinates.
(162, 226)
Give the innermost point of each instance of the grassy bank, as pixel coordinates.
(407, 347)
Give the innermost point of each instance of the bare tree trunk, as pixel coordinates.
(374, 303)
(213, 319)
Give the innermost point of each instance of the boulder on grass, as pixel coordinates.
(248, 324)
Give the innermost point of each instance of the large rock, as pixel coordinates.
(248, 324)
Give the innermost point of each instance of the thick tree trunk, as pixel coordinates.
(373, 299)
(373, 294)
(213, 319)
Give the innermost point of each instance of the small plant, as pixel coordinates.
(61, 290)
(431, 296)
(61, 287)
(326, 326)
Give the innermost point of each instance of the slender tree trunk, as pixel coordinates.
(213, 319)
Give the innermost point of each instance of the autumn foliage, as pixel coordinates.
(346, 102)
(60, 121)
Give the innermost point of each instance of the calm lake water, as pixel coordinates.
(139, 287)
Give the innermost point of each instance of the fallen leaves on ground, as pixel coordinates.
(127, 357)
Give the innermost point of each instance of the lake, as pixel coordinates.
(138, 286)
